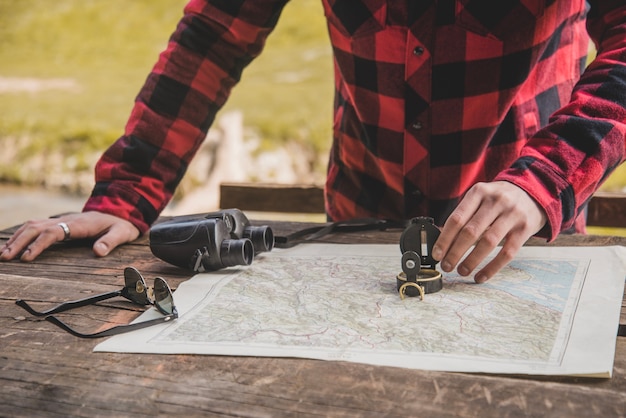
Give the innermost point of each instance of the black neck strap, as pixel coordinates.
(352, 225)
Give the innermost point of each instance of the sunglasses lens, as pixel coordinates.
(163, 298)
(135, 287)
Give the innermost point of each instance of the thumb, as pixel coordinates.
(112, 239)
(103, 246)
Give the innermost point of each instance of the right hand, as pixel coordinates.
(32, 238)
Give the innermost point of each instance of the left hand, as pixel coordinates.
(488, 214)
(34, 236)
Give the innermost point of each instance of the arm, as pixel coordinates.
(136, 177)
(566, 162)
(204, 59)
(560, 167)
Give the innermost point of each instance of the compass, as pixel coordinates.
(419, 275)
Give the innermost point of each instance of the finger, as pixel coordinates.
(15, 235)
(511, 246)
(489, 240)
(9, 252)
(515, 225)
(455, 222)
(116, 236)
(469, 235)
(16, 243)
(23, 237)
(50, 235)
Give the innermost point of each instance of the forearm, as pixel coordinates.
(136, 177)
(565, 163)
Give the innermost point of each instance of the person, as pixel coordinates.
(481, 114)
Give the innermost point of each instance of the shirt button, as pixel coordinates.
(415, 197)
(417, 194)
(417, 125)
(418, 51)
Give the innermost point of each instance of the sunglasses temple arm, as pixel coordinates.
(119, 329)
(66, 306)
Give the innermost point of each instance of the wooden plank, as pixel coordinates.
(47, 372)
(51, 371)
(272, 197)
(607, 210)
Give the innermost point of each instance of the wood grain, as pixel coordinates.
(46, 372)
(272, 197)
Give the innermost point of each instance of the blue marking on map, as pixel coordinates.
(542, 281)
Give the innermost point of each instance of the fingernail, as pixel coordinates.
(101, 248)
(463, 271)
(481, 278)
(437, 253)
(446, 266)
(25, 254)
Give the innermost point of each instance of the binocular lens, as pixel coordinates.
(235, 252)
(262, 237)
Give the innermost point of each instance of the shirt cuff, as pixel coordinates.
(117, 201)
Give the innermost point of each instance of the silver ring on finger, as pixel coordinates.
(66, 231)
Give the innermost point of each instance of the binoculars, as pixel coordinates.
(211, 242)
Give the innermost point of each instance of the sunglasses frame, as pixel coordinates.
(135, 290)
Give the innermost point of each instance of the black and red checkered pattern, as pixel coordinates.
(432, 96)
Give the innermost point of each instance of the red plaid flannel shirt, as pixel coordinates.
(432, 96)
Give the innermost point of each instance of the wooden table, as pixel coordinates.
(45, 371)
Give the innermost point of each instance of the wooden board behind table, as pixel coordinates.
(45, 371)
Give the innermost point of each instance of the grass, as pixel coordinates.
(77, 41)
(108, 47)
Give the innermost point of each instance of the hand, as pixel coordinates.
(32, 238)
(488, 214)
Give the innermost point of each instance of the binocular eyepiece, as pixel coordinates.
(214, 241)
(262, 237)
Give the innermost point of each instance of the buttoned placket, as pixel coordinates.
(418, 80)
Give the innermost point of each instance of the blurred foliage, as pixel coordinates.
(107, 48)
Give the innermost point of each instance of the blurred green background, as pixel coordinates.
(105, 48)
(83, 62)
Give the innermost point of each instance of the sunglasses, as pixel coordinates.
(135, 290)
